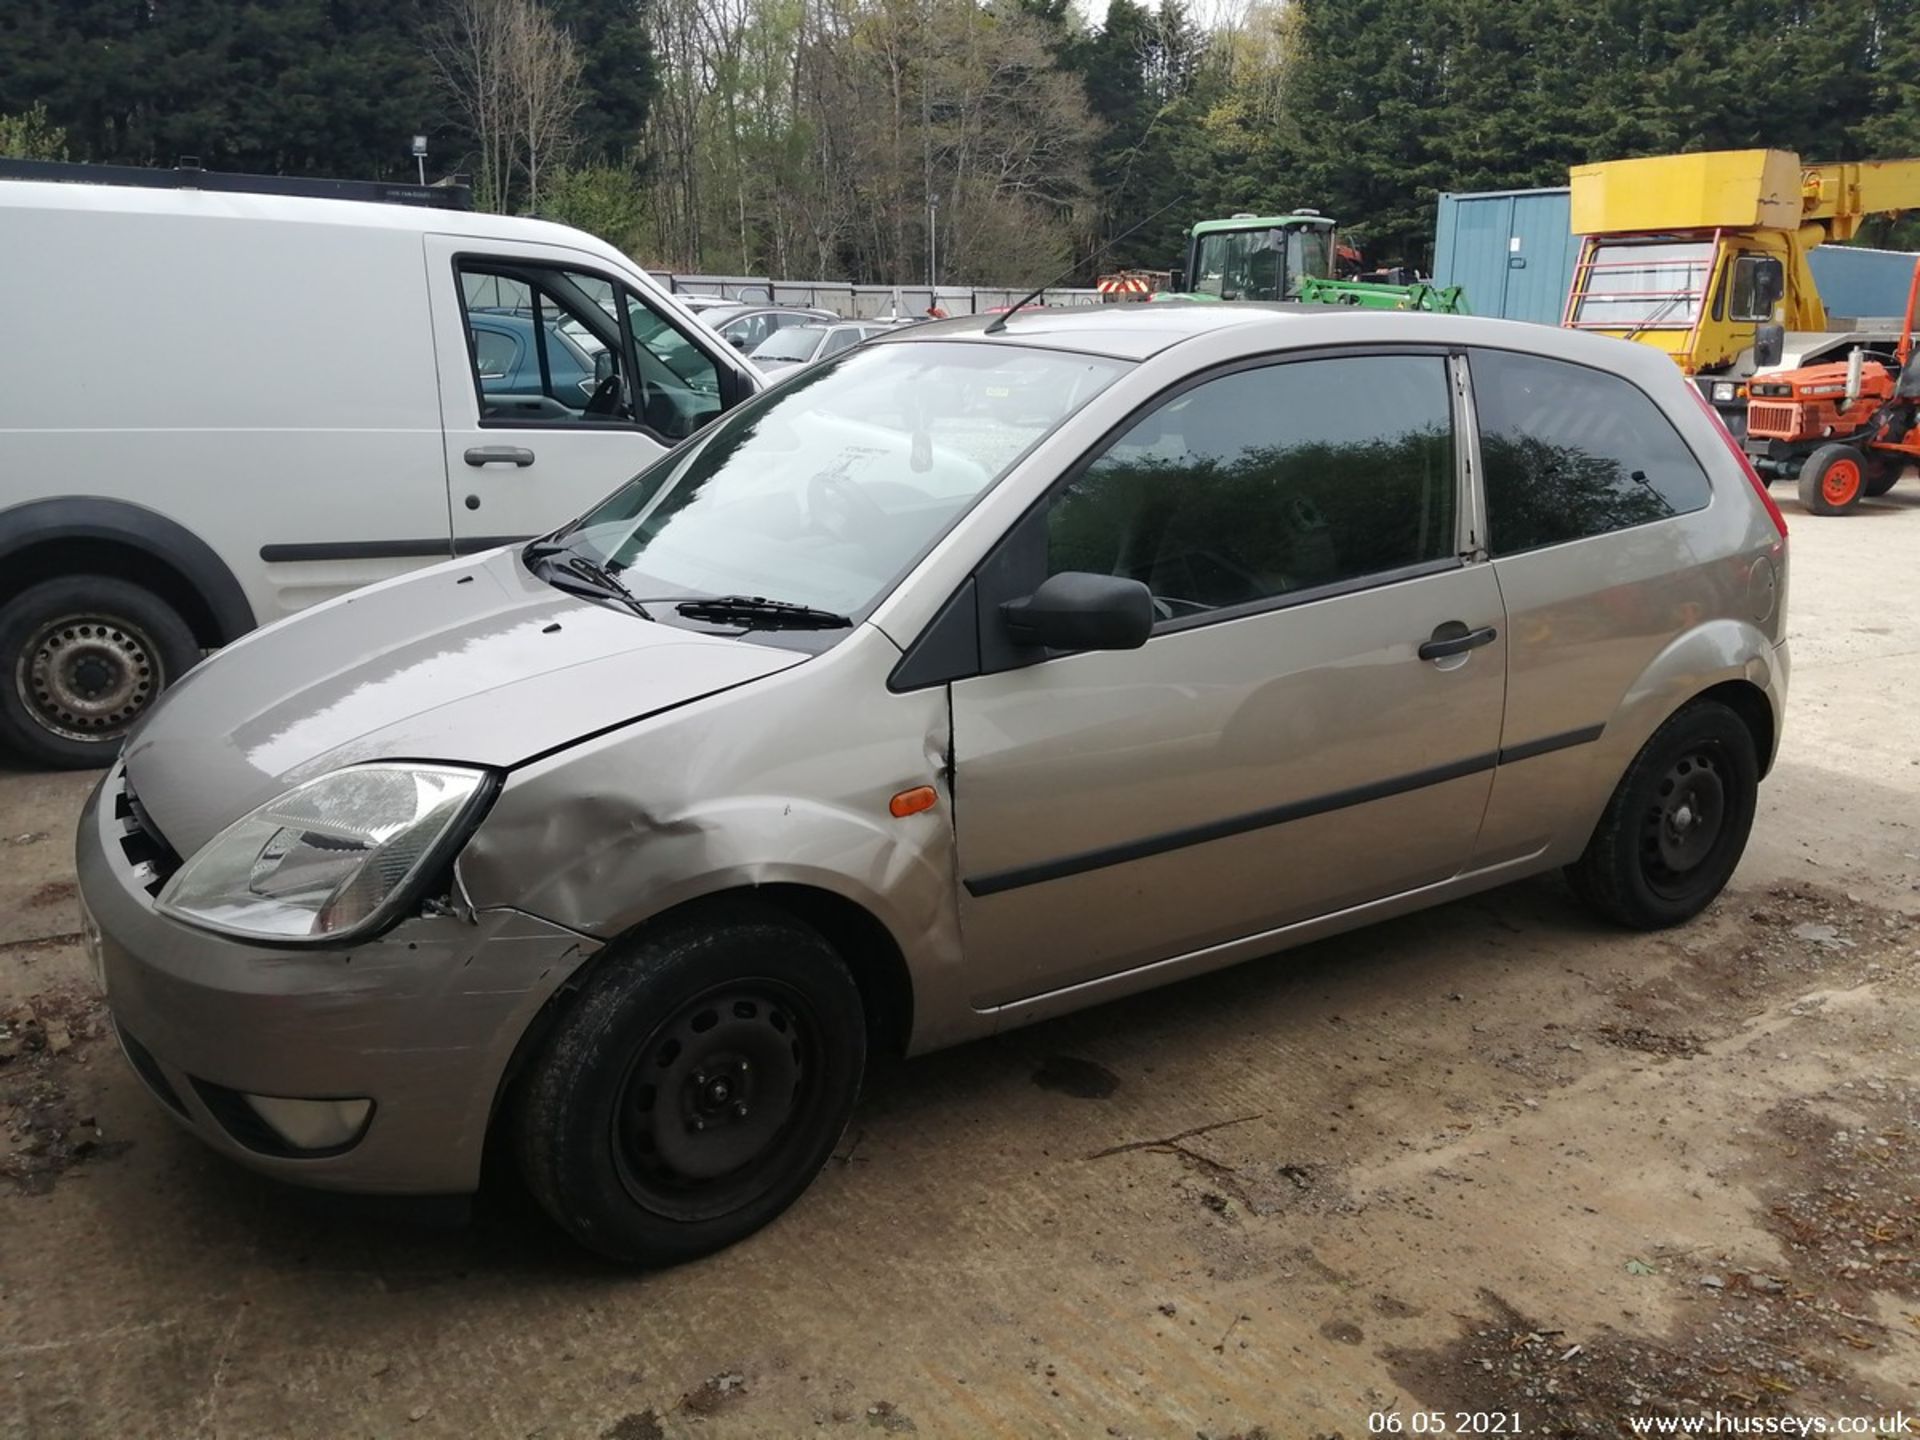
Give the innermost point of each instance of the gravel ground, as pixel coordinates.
(1495, 1158)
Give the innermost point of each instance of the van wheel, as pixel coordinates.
(84, 657)
(694, 1087)
(1833, 480)
(1677, 823)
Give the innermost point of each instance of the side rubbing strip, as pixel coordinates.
(1547, 744)
(983, 885)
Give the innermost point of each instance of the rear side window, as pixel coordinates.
(1571, 452)
(1264, 482)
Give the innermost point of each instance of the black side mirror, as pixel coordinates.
(1076, 610)
(1769, 344)
(602, 366)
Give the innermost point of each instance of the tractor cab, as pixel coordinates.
(1256, 257)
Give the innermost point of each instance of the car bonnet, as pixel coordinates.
(476, 662)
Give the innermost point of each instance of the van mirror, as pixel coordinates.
(1078, 610)
(602, 366)
(1769, 344)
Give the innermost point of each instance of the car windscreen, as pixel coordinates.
(823, 491)
(795, 342)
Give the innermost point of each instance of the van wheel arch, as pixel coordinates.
(47, 539)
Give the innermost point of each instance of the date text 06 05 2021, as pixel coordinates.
(1444, 1422)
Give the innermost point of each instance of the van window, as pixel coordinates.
(679, 382)
(1571, 452)
(1270, 481)
(493, 352)
(566, 334)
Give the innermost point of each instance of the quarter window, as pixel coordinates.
(1266, 482)
(1571, 452)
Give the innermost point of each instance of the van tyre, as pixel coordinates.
(1676, 824)
(1833, 480)
(84, 657)
(694, 1086)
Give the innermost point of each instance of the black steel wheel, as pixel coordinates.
(1677, 823)
(715, 1099)
(694, 1085)
(84, 657)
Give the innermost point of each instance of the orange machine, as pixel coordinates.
(1851, 427)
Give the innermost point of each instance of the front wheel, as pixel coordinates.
(1833, 480)
(694, 1087)
(1677, 823)
(82, 657)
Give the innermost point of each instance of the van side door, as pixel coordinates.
(560, 377)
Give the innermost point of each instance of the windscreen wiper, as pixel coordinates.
(591, 574)
(758, 610)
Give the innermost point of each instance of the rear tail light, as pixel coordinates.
(1746, 465)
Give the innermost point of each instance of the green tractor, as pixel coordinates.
(1290, 257)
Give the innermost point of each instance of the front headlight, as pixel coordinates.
(330, 859)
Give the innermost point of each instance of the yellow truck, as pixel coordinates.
(1704, 256)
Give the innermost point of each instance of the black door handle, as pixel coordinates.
(499, 455)
(1454, 638)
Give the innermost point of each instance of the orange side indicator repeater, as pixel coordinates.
(912, 802)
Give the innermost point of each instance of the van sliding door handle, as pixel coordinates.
(499, 455)
(1453, 638)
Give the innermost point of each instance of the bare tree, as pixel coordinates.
(514, 73)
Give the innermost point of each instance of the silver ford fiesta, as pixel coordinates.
(991, 670)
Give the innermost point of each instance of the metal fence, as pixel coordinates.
(867, 302)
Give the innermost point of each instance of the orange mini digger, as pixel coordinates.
(1850, 428)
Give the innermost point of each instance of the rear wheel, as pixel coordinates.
(83, 658)
(1883, 474)
(695, 1086)
(1677, 823)
(1833, 480)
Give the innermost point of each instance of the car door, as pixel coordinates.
(1279, 749)
(603, 383)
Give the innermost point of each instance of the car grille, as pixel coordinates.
(146, 849)
(1779, 420)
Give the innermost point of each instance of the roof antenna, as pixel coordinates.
(999, 322)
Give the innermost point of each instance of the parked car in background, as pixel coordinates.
(746, 326)
(799, 345)
(285, 418)
(991, 670)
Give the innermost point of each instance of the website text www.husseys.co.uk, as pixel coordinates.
(1718, 1423)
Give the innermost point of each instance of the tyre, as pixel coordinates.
(1676, 824)
(1833, 480)
(82, 657)
(1883, 474)
(694, 1086)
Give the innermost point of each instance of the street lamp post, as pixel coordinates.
(420, 156)
(933, 244)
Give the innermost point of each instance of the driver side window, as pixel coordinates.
(545, 345)
(1266, 482)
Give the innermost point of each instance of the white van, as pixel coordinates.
(219, 408)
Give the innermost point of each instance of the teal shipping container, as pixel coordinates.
(1513, 253)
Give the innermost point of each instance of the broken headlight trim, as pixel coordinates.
(334, 859)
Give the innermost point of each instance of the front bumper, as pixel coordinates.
(422, 1021)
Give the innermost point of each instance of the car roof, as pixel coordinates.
(734, 309)
(1138, 331)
